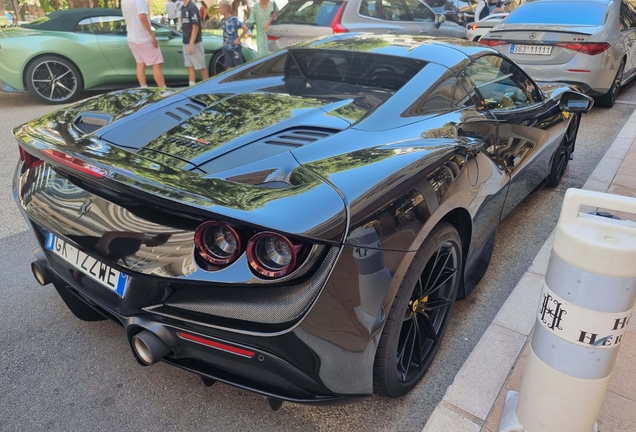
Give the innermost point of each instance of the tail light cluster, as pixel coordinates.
(269, 254)
(61, 158)
(586, 48)
(29, 160)
(492, 42)
(336, 24)
(589, 48)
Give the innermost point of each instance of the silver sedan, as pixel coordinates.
(589, 43)
(302, 20)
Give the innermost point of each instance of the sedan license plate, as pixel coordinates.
(294, 41)
(107, 276)
(545, 50)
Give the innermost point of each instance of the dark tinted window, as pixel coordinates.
(559, 13)
(394, 10)
(369, 8)
(320, 13)
(372, 70)
(420, 12)
(447, 96)
(501, 84)
(109, 25)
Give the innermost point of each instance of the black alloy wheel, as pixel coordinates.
(217, 64)
(54, 80)
(609, 99)
(420, 313)
(564, 152)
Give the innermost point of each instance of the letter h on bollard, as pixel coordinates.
(587, 300)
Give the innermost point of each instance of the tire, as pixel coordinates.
(609, 98)
(66, 78)
(216, 63)
(564, 152)
(396, 370)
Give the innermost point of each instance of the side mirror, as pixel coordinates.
(439, 20)
(573, 102)
(163, 32)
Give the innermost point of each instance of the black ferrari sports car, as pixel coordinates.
(299, 226)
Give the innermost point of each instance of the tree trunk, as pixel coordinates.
(18, 14)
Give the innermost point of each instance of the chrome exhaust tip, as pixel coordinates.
(40, 273)
(149, 347)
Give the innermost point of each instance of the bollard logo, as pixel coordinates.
(581, 326)
(551, 312)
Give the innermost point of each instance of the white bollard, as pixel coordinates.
(586, 303)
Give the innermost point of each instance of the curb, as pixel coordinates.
(471, 398)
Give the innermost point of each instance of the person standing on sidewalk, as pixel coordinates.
(482, 11)
(171, 12)
(179, 6)
(230, 24)
(142, 41)
(193, 53)
(261, 16)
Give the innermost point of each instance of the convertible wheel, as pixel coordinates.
(608, 99)
(564, 152)
(217, 64)
(420, 313)
(54, 80)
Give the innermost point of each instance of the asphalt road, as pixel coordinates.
(60, 374)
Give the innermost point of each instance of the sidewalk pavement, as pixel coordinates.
(475, 400)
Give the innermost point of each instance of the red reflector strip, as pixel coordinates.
(217, 345)
(578, 70)
(76, 164)
(272, 38)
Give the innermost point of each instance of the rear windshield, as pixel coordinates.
(317, 13)
(351, 67)
(576, 13)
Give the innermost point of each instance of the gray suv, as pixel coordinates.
(301, 20)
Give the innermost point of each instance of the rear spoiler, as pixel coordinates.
(583, 30)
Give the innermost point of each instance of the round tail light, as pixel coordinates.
(271, 254)
(217, 243)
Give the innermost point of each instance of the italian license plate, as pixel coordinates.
(107, 276)
(545, 50)
(294, 41)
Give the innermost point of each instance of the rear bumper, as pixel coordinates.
(271, 371)
(596, 82)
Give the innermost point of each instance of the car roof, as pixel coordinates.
(67, 20)
(447, 52)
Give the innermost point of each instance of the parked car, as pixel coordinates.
(59, 56)
(593, 48)
(318, 210)
(302, 20)
(476, 30)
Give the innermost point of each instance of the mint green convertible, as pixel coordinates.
(58, 57)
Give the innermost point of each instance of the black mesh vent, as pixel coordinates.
(263, 304)
(298, 137)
